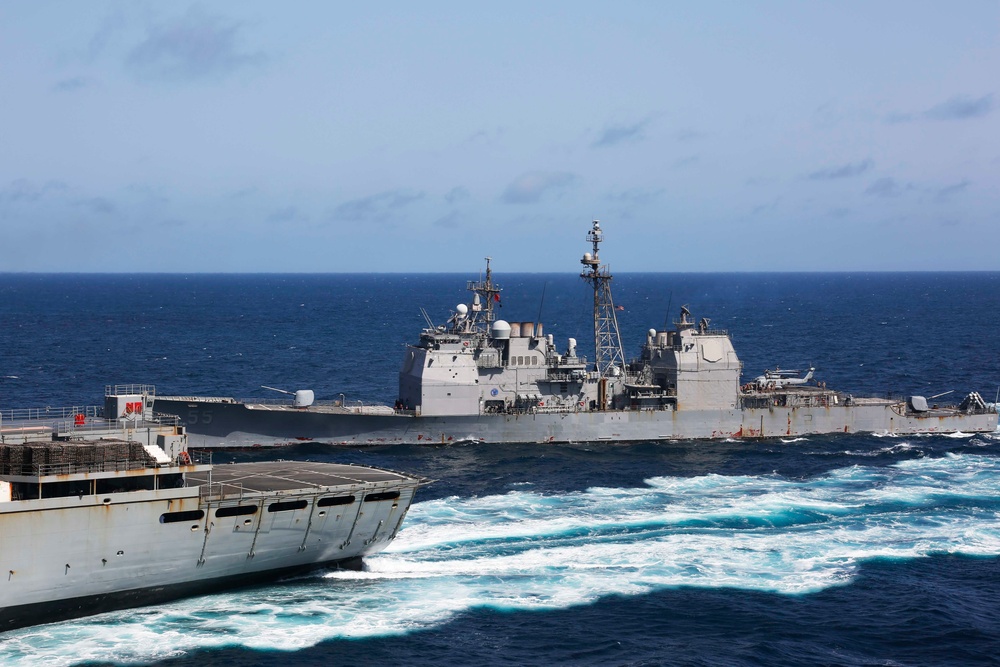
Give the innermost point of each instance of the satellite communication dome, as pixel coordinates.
(462, 310)
(500, 330)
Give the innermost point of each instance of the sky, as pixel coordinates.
(258, 136)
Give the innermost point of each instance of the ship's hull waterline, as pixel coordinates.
(88, 605)
(238, 424)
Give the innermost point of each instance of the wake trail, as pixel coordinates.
(526, 550)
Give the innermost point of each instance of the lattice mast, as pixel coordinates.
(486, 294)
(609, 355)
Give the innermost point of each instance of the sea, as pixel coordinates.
(842, 549)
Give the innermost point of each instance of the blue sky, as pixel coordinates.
(326, 137)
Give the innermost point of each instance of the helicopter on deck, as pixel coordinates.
(778, 378)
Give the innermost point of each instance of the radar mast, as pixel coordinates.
(485, 294)
(609, 356)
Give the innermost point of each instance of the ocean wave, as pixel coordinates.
(526, 550)
(897, 448)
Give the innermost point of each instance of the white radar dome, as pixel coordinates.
(462, 310)
(500, 330)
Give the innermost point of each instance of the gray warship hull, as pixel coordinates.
(99, 514)
(479, 378)
(212, 422)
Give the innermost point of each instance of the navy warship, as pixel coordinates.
(103, 509)
(480, 378)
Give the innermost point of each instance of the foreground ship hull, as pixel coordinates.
(236, 424)
(89, 605)
(107, 512)
(80, 556)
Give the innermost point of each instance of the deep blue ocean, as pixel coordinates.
(839, 550)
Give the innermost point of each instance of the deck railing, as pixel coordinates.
(220, 491)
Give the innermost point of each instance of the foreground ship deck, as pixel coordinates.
(480, 378)
(285, 476)
(99, 514)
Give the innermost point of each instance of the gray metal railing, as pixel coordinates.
(220, 491)
(44, 469)
(49, 413)
(125, 389)
(24, 426)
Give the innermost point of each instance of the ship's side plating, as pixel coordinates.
(95, 522)
(132, 545)
(861, 415)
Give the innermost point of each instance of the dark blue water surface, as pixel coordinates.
(828, 550)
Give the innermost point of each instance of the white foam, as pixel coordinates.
(527, 550)
(896, 448)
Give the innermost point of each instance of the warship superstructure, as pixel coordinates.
(480, 378)
(106, 509)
